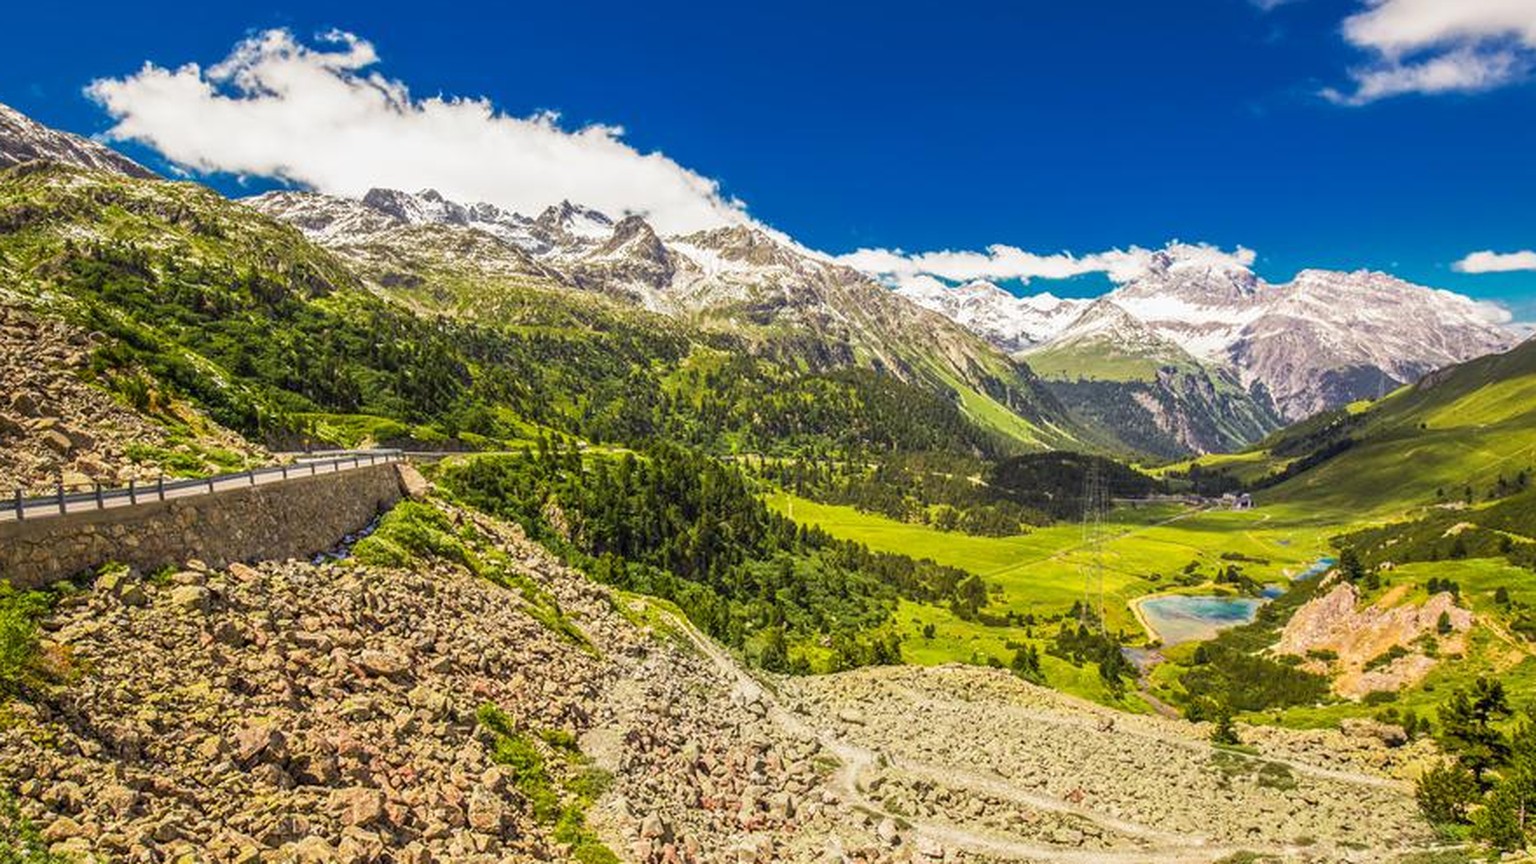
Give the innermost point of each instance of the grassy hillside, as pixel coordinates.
(1036, 578)
(1155, 399)
(284, 341)
(1447, 438)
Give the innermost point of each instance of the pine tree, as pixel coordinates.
(1224, 731)
(1026, 664)
(1350, 566)
(1466, 727)
(1445, 793)
(1508, 816)
(1443, 624)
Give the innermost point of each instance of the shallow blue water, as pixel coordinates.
(1182, 618)
(1322, 566)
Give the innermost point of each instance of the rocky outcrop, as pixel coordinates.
(1356, 636)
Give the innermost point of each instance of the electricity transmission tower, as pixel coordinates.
(1095, 503)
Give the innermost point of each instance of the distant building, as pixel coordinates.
(1240, 501)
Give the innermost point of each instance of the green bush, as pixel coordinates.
(562, 805)
(409, 532)
(516, 751)
(19, 614)
(1446, 794)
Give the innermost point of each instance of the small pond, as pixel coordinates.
(1322, 566)
(1177, 618)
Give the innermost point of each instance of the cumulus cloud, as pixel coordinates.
(1438, 46)
(1000, 262)
(318, 116)
(1489, 261)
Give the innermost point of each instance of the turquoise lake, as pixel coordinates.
(1181, 618)
(1187, 618)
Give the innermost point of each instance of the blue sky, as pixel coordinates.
(1311, 132)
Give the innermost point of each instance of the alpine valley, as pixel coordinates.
(707, 547)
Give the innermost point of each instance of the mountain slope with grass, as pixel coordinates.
(286, 342)
(762, 293)
(1457, 438)
(1119, 374)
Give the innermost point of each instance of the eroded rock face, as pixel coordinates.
(1335, 622)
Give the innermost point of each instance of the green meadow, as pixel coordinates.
(1144, 550)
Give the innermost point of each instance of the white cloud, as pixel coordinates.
(1489, 261)
(316, 116)
(1438, 46)
(1011, 262)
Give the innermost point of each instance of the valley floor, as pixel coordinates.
(317, 712)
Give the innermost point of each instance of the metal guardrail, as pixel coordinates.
(21, 507)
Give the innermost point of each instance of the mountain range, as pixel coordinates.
(741, 279)
(1213, 355)
(1196, 354)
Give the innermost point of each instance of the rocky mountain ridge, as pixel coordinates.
(23, 139)
(1321, 340)
(742, 279)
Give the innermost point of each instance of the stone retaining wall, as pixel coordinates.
(295, 518)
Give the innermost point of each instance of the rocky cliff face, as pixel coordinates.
(1358, 634)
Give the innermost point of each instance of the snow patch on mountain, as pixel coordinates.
(1310, 344)
(23, 139)
(1011, 322)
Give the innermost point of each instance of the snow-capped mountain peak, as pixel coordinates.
(1013, 323)
(574, 224)
(1312, 343)
(23, 139)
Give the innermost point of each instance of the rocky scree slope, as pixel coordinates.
(1029, 772)
(297, 711)
(56, 427)
(332, 712)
